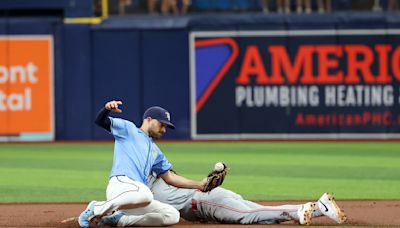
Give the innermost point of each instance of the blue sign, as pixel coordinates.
(295, 84)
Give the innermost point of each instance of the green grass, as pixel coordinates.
(258, 171)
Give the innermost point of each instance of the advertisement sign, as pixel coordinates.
(26, 88)
(295, 84)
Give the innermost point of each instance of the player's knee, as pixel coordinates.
(147, 196)
(140, 199)
(228, 193)
(173, 217)
(170, 216)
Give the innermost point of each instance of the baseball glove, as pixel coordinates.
(215, 178)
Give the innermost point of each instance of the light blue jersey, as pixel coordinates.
(135, 153)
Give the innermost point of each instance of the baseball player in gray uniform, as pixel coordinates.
(224, 206)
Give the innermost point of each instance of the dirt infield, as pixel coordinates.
(359, 213)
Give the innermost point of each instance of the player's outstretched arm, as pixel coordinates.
(101, 118)
(182, 182)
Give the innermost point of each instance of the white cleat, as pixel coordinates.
(328, 207)
(305, 213)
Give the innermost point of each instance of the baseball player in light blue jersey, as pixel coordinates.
(136, 156)
(224, 206)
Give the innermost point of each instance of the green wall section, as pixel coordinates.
(258, 170)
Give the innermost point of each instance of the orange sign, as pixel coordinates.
(26, 86)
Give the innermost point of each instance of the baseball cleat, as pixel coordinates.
(305, 213)
(328, 207)
(87, 215)
(111, 220)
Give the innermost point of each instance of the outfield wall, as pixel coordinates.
(173, 62)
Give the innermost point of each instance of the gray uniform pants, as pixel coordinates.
(224, 206)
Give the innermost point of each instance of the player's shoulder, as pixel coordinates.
(121, 121)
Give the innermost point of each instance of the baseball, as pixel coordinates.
(219, 166)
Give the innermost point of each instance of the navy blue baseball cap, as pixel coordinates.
(159, 114)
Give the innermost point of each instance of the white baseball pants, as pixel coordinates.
(136, 200)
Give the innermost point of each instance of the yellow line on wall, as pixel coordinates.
(104, 9)
(90, 20)
(83, 20)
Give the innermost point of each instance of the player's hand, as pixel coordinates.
(216, 177)
(113, 106)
